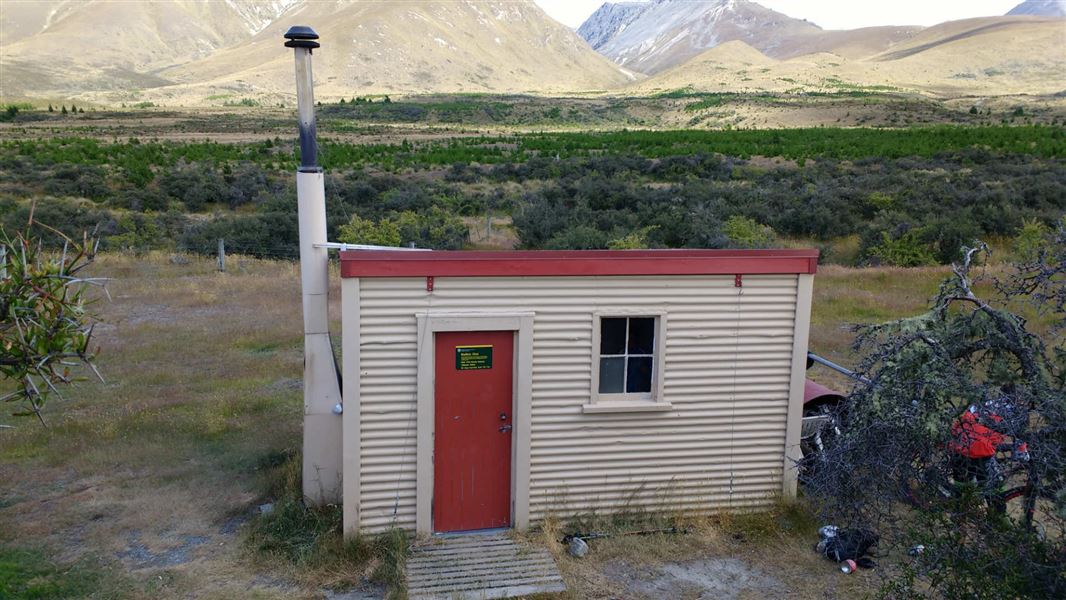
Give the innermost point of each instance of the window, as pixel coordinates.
(627, 363)
(627, 350)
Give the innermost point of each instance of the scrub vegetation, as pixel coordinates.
(910, 197)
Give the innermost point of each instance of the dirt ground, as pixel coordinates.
(709, 564)
(142, 487)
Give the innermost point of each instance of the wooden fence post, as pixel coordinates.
(221, 255)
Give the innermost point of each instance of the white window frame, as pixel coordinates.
(629, 402)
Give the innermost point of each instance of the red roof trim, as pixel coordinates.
(551, 263)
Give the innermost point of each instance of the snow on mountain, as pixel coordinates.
(652, 36)
(257, 14)
(609, 20)
(1040, 8)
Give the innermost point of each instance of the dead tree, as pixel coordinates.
(898, 466)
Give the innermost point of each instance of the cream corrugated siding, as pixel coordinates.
(727, 378)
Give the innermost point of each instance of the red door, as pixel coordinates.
(472, 443)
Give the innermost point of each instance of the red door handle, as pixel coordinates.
(505, 428)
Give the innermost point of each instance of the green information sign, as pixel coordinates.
(473, 358)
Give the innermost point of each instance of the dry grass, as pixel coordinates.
(148, 477)
(774, 547)
(845, 297)
(160, 464)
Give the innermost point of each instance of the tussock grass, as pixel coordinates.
(308, 542)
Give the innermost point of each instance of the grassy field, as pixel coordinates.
(145, 486)
(439, 115)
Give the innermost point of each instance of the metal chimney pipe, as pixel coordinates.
(302, 40)
(322, 425)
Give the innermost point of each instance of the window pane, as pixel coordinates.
(613, 336)
(642, 336)
(612, 371)
(639, 379)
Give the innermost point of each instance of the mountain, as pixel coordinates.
(852, 44)
(650, 37)
(1040, 8)
(608, 21)
(412, 47)
(79, 45)
(988, 56)
(176, 52)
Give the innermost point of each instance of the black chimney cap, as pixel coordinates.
(301, 36)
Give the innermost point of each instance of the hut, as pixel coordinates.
(489, 390)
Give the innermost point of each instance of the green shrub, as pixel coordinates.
(82, 181)
(145, 199)
(880, 201)
(136, 231)
(195, 184)
(364, 231)
(743, 232)
(946, 235)
(267, 234)
(72, 217)
(431, 228)
(905, 250)
(434, 228)
(1032, 237)
(636, 240)
(578, 237)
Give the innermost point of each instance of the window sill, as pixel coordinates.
(626, 407)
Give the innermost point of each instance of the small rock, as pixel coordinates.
(578, 547)
(266, 509)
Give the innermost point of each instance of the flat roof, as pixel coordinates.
(576, 263)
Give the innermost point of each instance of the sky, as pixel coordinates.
(831, 14)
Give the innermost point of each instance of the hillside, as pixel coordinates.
(654, 36)
(184, 52)
(991, 56)
(64, 47)
(852, 44)
(411, 47)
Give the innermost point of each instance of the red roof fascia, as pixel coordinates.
(582, 263)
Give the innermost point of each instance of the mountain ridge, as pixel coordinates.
(653, 36)
(368, 48)
(1040, 8)
(987, 56)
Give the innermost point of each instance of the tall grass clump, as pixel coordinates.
(310, 540)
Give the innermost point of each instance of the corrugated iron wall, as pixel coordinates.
(721, 445)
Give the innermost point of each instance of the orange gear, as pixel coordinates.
(974, 440)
